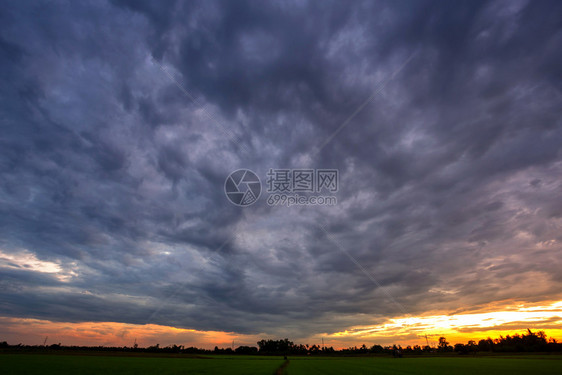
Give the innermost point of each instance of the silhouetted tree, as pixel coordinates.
(461, 348)
(443, 344)
(283, 346)
(246, 350)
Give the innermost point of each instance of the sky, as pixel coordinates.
(120, 122)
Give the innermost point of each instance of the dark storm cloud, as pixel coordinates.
(450, 189)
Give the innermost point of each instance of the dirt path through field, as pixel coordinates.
(282, 368)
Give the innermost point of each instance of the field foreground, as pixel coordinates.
(77, 364)
(432, 365)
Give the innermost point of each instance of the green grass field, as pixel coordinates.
(87, 364)
(433, 365)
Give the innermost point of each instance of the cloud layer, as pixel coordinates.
(120, 122)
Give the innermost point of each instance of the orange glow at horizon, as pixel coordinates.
(462, 327)
(402, 330)
(34, 331)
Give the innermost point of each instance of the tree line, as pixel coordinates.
(527, 342)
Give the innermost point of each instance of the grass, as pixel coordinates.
(435, 365)
(32, 364)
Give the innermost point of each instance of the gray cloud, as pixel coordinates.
(450, 189)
